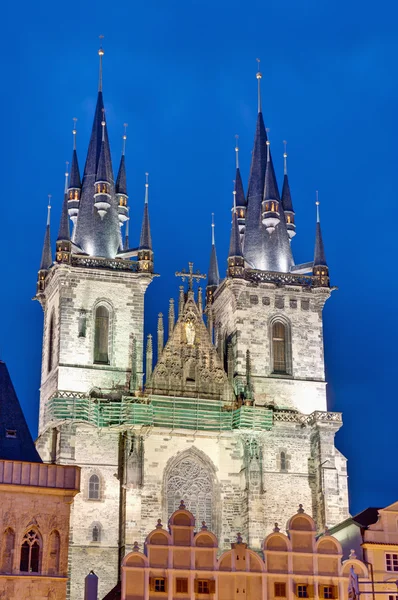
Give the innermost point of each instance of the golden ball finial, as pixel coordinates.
(101, 52)
(284, 155)
(258, 75)
(317, 202)
(103, 123)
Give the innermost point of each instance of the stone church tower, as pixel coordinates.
(233, 417)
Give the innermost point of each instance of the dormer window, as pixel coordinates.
(11, 433)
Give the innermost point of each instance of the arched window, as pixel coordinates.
(96, 534)
(94, 488)
(7, 550)
(279, 347)
(55, 548)
(50, 344)
(283, 461)
(190, 480)
(101, 336)
(30, 552)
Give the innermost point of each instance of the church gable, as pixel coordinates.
(189, 365)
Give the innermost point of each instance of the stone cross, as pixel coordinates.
(190, 275)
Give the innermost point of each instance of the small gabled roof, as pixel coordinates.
(16, 442)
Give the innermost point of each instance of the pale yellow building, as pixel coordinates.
(373, 534)
(35, 503)
(184, 564)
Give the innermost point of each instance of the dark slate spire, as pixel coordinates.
(254, 230)
(46, 256)
(271, 191)
(319, 253)
(236, 263)
(145, 239)
(102, 169)
(287, 203)
(121, 185)
(213, 278)
(235, 248)
(64, 232)
(240, 194)
(15, 440)
(98, 234)
(75, 181)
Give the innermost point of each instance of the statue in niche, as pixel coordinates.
(190, 332)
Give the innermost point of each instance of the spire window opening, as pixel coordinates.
(101, 336)
(30, 553)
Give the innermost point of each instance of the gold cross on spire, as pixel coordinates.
(190, 275)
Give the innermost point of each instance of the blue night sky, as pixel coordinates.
(182, 75)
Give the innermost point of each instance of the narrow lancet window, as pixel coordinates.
(279, 347)
(101, 342)
(94, 488)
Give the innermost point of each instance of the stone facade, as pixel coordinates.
(35, 505)
(278, 446)
(183, 561)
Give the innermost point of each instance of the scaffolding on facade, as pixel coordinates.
(158, 411)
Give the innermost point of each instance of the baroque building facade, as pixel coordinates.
(184, 562)
(233, 417)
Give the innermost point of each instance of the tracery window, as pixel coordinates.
(7, 547)
(101, 336)
(279, 347)
(94, 487)
(55, 547)
(189, 480)
(30, 552)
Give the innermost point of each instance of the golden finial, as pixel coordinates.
(285, 157)
(212, 229)
(100, 54)
(146, 187)
(124, 139)
(74, 131)
(259, 76)
(237, 151)
(234, 196)
(317, 207)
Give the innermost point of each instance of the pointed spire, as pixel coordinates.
(102, 174)
(149, 358)
(64, 232)
(254, 231)
(74, 188)
(121, 183)
(319, 253)
(271, 191)
(160, 334)
(46, 257)
(235, 248)
(213, 278)
(287, 199)
(171, 317)
(240, 194)
(145, 239)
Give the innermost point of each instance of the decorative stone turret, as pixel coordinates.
(171, 317)
(121, 185)
(63, 245)
(149, 358)
(46, 257)
(270, 204)
(160, 334)
(236, 263)
(240, 199)
(287, 200)
(145, 254)
(213, 279)
(102, 186)
(75, 185)
(320, 268)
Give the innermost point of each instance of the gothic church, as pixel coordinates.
(233, 417)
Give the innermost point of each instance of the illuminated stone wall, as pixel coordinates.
(242, 313)
(72, 296)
